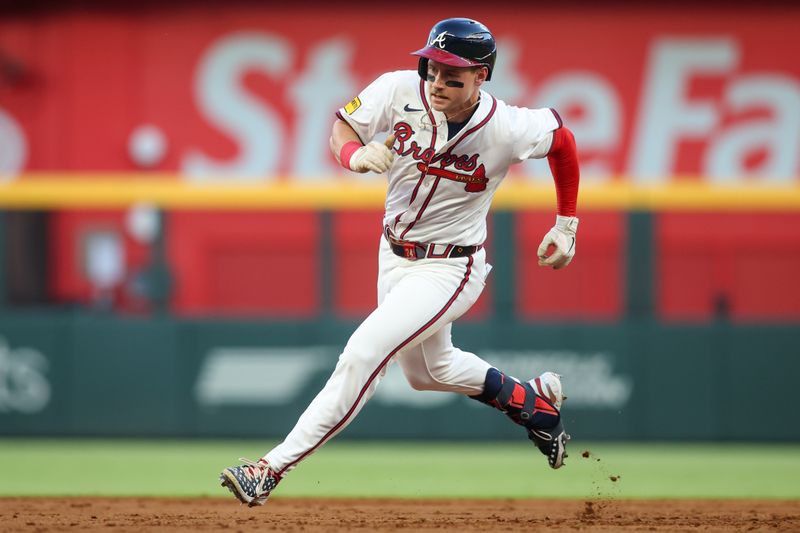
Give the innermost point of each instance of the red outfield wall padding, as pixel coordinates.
(590, 288)
(355, 269)
(248, 263)
(745, 265)
(251, 263)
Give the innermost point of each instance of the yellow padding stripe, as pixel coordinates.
(673, 197)
(82, 193)
(113, 191)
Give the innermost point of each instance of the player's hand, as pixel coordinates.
(375, 156)
(562, 238)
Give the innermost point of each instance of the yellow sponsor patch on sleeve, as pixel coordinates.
(354, 104)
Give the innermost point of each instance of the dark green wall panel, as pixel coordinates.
(96, 375)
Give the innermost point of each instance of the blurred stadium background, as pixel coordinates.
(181, 257)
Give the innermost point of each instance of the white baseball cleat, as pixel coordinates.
(548, 385)
(548, 432)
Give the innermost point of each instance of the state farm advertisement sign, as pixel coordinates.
(239, 93)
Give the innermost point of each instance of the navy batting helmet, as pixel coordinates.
(458, 42)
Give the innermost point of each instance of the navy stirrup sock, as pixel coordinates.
(517, 400)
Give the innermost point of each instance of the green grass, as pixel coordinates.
(404, 469)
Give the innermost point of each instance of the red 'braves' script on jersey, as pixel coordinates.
(476, 181)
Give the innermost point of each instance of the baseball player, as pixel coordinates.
(450, 145)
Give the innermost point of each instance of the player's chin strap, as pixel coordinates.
(518, 401)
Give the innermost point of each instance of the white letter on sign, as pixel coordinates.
(665, 117)
(778, 135)
(324, 85)
(13, 147)
(598, 128)
(254, 126)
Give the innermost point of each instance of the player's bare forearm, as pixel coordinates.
(341, 134)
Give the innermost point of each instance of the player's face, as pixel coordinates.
(452, 89)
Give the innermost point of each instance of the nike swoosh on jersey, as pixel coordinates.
(406, 108)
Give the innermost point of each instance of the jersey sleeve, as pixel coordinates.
(369, 112)
(532, 130)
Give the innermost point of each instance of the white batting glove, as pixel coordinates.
(374, 156)
(562, 236)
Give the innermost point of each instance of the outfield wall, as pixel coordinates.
(79, 374)
(632, 371)
(303, 252)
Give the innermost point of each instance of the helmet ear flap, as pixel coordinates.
(422, 68)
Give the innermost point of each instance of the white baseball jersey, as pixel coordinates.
(439, 190)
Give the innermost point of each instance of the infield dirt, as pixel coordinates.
(301, 514)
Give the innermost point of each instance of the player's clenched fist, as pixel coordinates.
(375, 156)
(562, 237)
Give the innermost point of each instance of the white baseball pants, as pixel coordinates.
(417, 302)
